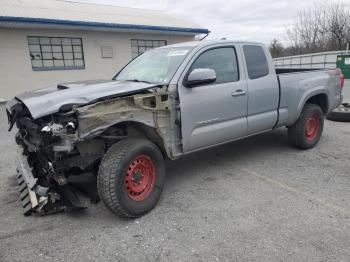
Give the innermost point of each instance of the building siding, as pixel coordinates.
(17, 75)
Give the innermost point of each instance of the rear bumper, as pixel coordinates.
(341, 99)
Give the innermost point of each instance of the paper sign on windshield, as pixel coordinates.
(177, 53)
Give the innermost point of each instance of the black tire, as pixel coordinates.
(297, 134)
(112, 177)
(340, 114)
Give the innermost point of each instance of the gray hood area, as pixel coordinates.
(49, 100)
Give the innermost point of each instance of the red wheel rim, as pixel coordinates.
(140, 178)
(311, 127)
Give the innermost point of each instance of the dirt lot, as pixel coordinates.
(252, 200)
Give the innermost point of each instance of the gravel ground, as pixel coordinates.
(253, 200)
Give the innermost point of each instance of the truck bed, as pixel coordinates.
(293, 83)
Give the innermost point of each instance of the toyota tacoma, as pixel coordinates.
(166, 103)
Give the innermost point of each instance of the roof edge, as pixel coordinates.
(49, 21)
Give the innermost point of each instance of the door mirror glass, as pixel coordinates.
(200, 76)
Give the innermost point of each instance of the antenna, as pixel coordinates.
(204, 36)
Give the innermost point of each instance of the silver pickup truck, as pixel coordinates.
(115, 135)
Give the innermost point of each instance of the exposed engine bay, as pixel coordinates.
(59, 154)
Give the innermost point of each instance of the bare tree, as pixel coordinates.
(338, 25)
(276, 48)
(325, 26)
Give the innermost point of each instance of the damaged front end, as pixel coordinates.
(59, 154)
(52, 163)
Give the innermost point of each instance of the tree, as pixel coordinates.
(325, 26)
(276, 48)
(338, 25)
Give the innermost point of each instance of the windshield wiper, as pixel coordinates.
(138, 81)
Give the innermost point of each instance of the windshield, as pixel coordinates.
(155, 66)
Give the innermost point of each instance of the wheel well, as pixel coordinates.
(321, 100)
(139, 130)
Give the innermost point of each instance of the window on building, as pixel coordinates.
(54, 53)
(222, 60)
(256, 61)
(138, 46)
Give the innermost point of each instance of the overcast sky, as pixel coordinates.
(256, 20)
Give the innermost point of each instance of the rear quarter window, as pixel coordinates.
(256, 61)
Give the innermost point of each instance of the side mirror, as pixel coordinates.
(200, 76)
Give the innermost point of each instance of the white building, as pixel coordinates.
(45, 42)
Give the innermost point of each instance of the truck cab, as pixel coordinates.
(241, 101)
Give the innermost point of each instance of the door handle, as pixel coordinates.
(239, 92)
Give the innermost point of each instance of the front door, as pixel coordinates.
(217, 112)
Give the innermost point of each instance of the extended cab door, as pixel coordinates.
(263, 88)
(214, 113)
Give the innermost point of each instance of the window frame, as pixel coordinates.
(145, 45)
(62, 53)
(209, 49)
(267, 62)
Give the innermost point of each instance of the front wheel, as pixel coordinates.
(307, 131)
(131, 177)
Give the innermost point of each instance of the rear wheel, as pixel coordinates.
(307, 131)
(131, 177)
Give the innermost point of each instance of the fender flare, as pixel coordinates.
(307, 96)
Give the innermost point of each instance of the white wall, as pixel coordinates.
(17, 76)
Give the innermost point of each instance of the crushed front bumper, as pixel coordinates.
(33, 196)
(44, 200)
(27, 184)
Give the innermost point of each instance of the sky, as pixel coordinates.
(255, 20)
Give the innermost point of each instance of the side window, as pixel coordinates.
(222, 60)
(256, 61)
